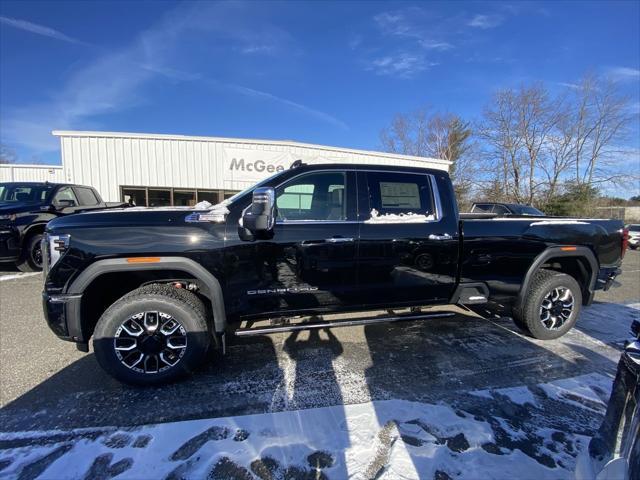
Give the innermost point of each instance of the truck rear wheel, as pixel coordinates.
(551, 306)
(152, 335)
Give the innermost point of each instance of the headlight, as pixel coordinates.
(57, 244)
(11, 217)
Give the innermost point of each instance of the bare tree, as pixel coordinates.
(500, 133)
(438, 135)
(7, 155)
(529, 146)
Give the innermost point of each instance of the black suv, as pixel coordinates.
(25, 209)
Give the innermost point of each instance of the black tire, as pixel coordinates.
(529, 314)
(633, 247)
(170, 303)
(31, 258)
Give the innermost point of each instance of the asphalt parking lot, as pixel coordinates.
(46, 383)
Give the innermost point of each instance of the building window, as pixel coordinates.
(184, 198)
(135, 196)
(160, 197)
(210, 196)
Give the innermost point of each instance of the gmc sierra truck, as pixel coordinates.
(25, 209)
(156, 288)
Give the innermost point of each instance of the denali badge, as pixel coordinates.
(271, 291)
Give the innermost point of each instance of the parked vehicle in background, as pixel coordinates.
(614, 452)
(506, 209)
(634, 235)
(25, 209)
(155, 288)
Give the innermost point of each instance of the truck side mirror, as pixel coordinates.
(65, 203)
(259, 218)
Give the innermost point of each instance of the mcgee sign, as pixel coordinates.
(251, 166)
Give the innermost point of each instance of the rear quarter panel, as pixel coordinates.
(499, 251)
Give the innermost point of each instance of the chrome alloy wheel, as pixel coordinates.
(556, 308)
(150, 342)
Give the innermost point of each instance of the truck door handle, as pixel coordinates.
(339, 240)
(445, 236)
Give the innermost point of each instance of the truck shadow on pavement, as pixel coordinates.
(465, 361)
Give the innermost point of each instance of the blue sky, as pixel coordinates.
(319, 72)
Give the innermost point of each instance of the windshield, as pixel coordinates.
(634, 228)
(24, 193)
(525, 210)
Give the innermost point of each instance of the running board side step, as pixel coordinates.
(246, 332)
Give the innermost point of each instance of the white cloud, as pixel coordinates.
(259, 49)
(414, 24)
(38, 29)
(117, 80)
(250, 92)
(434, 45)
(573, 86)
(624, 73)
(401, 65)
(486, 21)
(355, 41)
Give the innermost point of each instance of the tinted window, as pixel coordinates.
(525, 210)
(500, 210)
(482, 208)
(65, 193)
(634, 228)
(395, 193)
(86, 196)
(316, 196)
(11, 192)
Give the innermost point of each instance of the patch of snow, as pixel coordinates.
(518, 395)
(578, 391)
(203, 205)
(409, 217)
(482, 394)
(386, 439)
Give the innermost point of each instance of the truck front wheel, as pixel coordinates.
(551, 306)
(152, 335)
(31, 258)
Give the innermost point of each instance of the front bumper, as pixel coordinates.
(62, 313)
(634, 241)
(9, 244)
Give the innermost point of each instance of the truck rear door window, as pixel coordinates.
(86, 196)
(396, 193)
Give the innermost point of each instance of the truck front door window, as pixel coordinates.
(65, 193)
(317, 196)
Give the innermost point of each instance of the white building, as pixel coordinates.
(182, 170)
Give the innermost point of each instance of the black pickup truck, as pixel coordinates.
(25, 209)
(156, 288)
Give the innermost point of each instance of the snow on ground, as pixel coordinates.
(487, 437)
